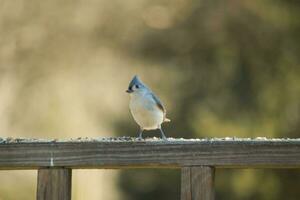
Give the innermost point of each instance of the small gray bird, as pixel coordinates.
(146, 109)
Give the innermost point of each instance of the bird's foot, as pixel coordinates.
(164, 138)
(140, 138)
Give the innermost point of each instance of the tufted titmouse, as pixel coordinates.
(146, 109)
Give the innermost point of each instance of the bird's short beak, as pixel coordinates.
(129, 91)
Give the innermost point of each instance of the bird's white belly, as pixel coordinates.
(146, 113)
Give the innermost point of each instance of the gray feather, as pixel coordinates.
(158, 102)
(160, 106)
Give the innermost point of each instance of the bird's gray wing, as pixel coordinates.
(160, 106)
(158, 103)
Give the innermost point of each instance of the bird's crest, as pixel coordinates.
(136, 81)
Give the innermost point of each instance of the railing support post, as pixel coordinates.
(54, 184)
(197, 183)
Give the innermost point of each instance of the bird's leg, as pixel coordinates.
(162, 134)
(140, 134)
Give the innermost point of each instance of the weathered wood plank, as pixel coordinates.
(197, 183)
(186, 189)
(54, 184)
(202, 181)
(174, 153)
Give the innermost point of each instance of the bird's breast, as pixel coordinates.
(145, 112)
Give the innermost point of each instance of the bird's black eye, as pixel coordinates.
(137, 86)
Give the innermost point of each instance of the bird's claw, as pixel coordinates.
(164, 138)
(140, 138)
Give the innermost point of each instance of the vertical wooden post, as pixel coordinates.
(197, 183)
(54, 184)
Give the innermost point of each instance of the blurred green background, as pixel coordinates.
(222, 68)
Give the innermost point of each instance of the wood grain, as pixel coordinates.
(171, 154)
(202, 181)
(54, 184)
(197, 183)
(186, 189)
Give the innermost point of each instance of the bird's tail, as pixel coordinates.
(167, 120)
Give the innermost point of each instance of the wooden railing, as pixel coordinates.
(197, 159)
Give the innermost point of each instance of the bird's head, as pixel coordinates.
(136, 86)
